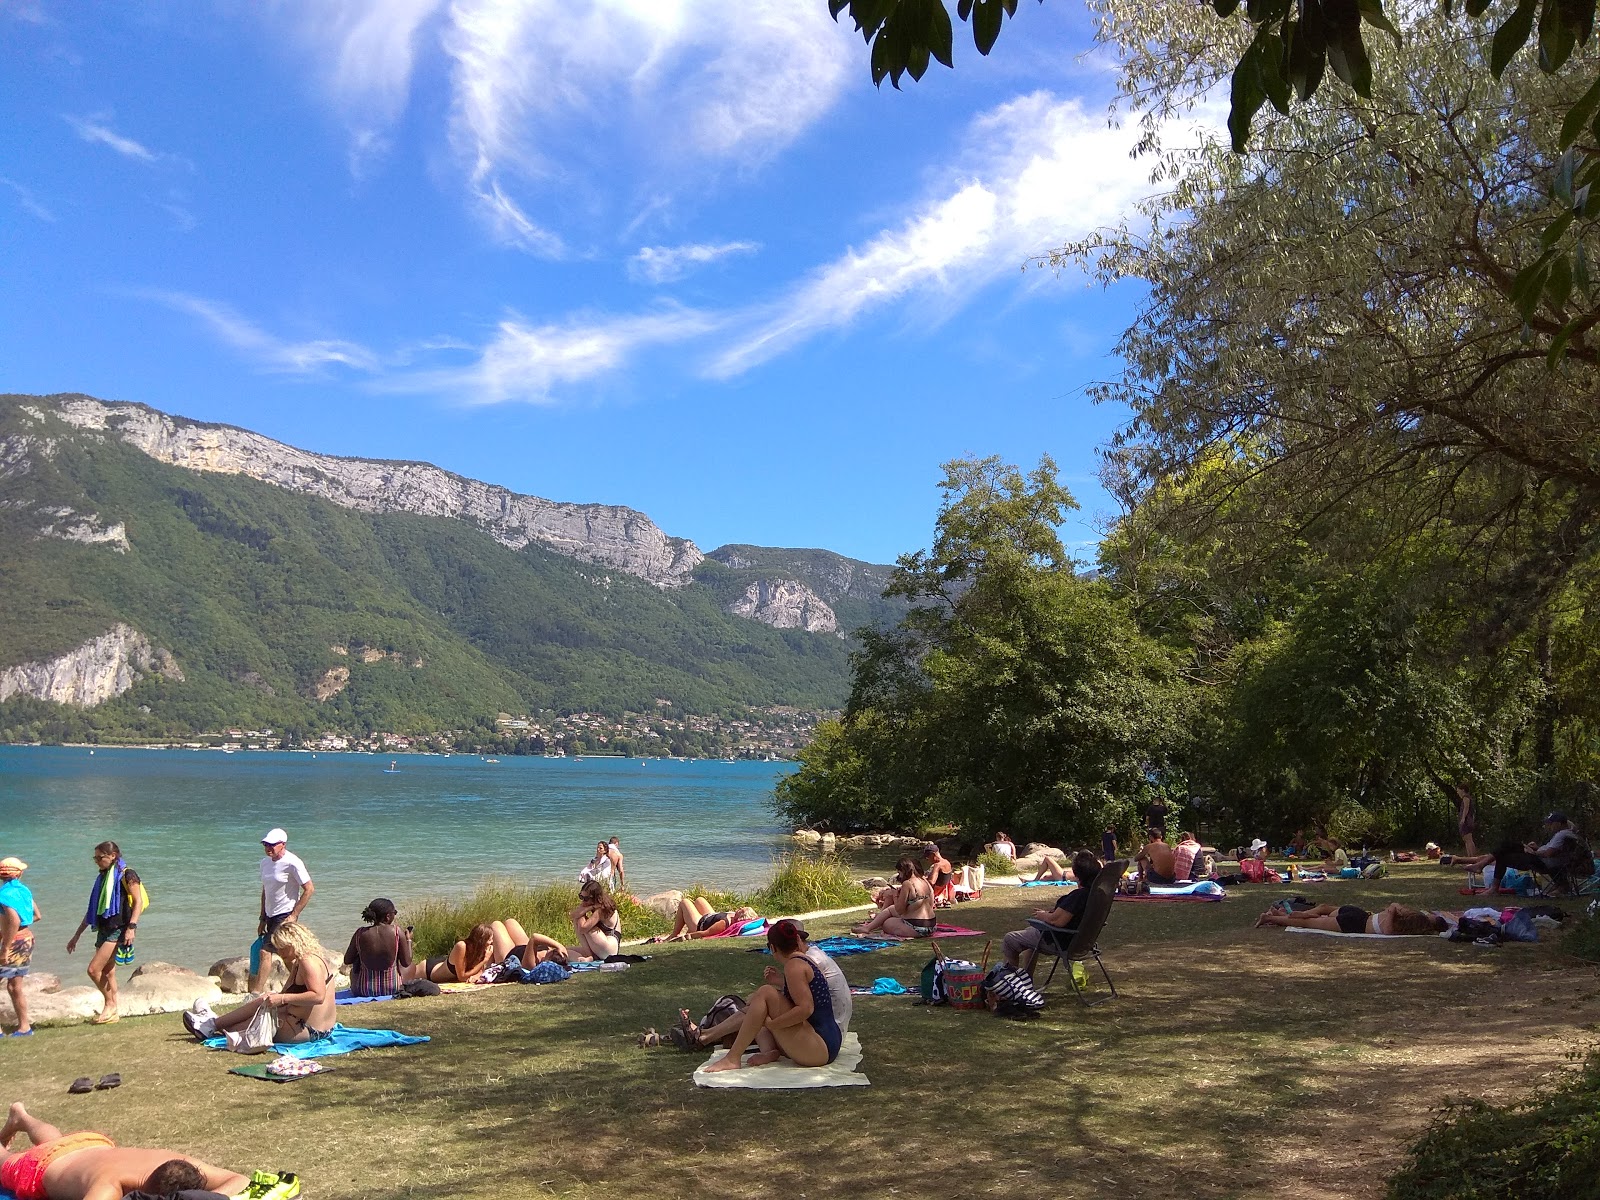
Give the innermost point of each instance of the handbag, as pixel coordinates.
(1008, 984)
(258, 1033)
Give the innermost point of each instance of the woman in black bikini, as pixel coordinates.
(1398, 920)
(467, 962)
(303, 1010)
(696, 919)
(595, 923)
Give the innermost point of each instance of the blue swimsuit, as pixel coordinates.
(821, 1018)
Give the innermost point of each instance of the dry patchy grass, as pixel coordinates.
(1237, 1061)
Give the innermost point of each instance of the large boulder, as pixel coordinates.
(1035, 853)
(168, 990)
(807, 837)
(59, 1006)
(665, 903)
(233, 974)
(158, 968)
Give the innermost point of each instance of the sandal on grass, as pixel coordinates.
(81, 1085)
(107, 1082)
(649, 1038)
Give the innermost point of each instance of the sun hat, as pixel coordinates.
(273, 836)
(1258, 845)
(13, 864)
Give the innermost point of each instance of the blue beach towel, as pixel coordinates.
(345, 997)
(882, 986)
(341, 1041)
(843, 945)
(1063, 883)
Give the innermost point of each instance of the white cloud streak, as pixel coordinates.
(27, 201)
(267, 351)
(525, 362)
(539, 84)
(367, 52)
(663, 264)
(95, 131)
(1036, 172)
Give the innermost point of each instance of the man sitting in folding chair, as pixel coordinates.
(1064, 916)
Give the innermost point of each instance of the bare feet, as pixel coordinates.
(13, 1125)
(762, 1059)
(728, 1062)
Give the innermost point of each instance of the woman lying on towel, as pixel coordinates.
(1398, 920)
(697, 919)
(789, 1016)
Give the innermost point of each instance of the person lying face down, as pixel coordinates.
(89, 1166)
(1397, 920)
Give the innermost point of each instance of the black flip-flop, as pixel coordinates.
(107, 1082)
(81, 1085)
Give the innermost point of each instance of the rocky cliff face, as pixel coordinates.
(785, 604)
(92, 673)
(605, 535)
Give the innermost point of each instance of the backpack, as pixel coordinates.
(419, 987)
(725, 1007)
(1008, 985)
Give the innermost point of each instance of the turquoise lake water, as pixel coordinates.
(191, 822)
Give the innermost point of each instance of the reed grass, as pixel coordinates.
(801, 883)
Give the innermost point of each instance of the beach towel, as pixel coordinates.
(1060, 883)
(950, 931)
(341, 1041)
(845, 944)
(1335, 933)
(841, 1072)
(1182, 898)
(881, 986)
(345, 997)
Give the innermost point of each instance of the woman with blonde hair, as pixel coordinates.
(303, 1011)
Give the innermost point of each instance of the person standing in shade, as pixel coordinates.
(18, 913)
(1108, 844)
(115, 902)
(1155, 814)
(286, 888)
(614, 853)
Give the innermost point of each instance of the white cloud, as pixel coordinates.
(548, 91)
(663, 264)
(95, 131)
(1036, 172)
(272, 353)
(27, 201)
(366, 51)
(526, 362)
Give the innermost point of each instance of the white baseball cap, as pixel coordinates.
(273, 836)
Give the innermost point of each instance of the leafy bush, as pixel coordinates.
(1582, 938)
(996, 864)
(805, 884)
(1548, 1145)
(541, 908)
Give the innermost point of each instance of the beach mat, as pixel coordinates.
(845, 944)
(841, 1072)
(1186, 898)
(259, 1071)
(342, 1040)
(345, 997)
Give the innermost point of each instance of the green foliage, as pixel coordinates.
(1548, 1145)
(251, 587)
(802, 883)
(996, 864)
(1581, 937)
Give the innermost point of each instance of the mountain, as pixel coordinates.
(172, 575)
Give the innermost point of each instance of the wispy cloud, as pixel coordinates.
(27, 201)
(527, 362)
(1034, 173)
(266, 350)
(663, 264)
(95, 131)
(539, 84)
(366, 51)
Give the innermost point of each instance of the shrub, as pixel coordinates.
(996, 864)
(1548, 1145)
(1582, 938)
(801, 883)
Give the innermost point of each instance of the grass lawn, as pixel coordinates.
(1237, 1061)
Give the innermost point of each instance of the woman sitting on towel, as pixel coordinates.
(467, 961)
(911, 913)
(377, 952)
(1398, 920)
(303, 1011)
(790, 1015)
(697, 919)
(596, 923)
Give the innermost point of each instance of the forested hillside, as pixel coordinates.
(259, 593)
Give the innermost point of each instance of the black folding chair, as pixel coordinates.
(1071, 946)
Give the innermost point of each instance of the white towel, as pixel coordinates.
(1336, 933)
(841, 1072)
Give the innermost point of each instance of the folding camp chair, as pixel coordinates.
(1071, 946)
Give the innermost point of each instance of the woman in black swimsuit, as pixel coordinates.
(468, 960)
(696, 919)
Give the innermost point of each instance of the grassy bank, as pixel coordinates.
(1237, 1062)
(799, 883)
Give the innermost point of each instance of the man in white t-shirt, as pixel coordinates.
(285, 888)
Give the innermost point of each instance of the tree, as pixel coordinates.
(1013, 693)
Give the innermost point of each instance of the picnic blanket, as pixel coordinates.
(841, 1072)
(341, 1041)
(1155, 897)
(1335, 933)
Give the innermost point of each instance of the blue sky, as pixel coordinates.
(674, 254)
